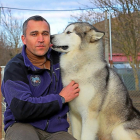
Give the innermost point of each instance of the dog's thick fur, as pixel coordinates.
(103, 108)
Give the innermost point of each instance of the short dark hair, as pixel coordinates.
(35, 18)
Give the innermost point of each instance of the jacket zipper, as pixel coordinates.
(51, 81)
(52, 72)
(47, 123)
(56, 80)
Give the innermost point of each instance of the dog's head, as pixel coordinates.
(75, 36)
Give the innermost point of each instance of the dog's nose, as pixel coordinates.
(52, 36)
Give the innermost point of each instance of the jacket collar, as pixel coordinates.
(27, 61)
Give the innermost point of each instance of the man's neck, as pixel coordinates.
(38, 61)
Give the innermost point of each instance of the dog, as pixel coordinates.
(103, 110)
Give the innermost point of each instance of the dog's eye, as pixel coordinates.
(68, 32)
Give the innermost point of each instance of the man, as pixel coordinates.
(36, 102)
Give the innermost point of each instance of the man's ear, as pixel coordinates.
(96, 36)
(23, 38)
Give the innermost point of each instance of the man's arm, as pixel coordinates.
(19, 99)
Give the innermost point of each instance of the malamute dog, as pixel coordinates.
(103, 110)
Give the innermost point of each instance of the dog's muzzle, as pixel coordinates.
(61, 47)
(55, 46)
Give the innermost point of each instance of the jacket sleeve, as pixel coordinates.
(24, 106)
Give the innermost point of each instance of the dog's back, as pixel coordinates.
(119, 120)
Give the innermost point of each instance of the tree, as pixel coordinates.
(12, 30)
(4, 51)
(90, 15)
(125, 29)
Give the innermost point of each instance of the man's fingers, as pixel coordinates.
(76, 94)
(77, 90)
(76, 86)
(72, 83)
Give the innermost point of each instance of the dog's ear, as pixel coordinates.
(96, 36)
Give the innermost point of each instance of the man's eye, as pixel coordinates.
(68, 32)
(33, 34)
(45, 34)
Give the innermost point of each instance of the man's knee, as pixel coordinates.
(61, 136)
(21, 131)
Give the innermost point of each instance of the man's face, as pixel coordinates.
(37, 37)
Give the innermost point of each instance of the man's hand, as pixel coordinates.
(70, 92)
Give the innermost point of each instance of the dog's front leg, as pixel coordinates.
(76, 125)
(89, 126)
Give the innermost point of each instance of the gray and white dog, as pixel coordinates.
(103, 108)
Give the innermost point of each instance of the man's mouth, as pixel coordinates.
(40, 46)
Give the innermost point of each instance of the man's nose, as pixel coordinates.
(40, 38)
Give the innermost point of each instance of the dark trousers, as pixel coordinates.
(22, 131)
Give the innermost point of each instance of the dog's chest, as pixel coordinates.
(85, 98)
(75, 69)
